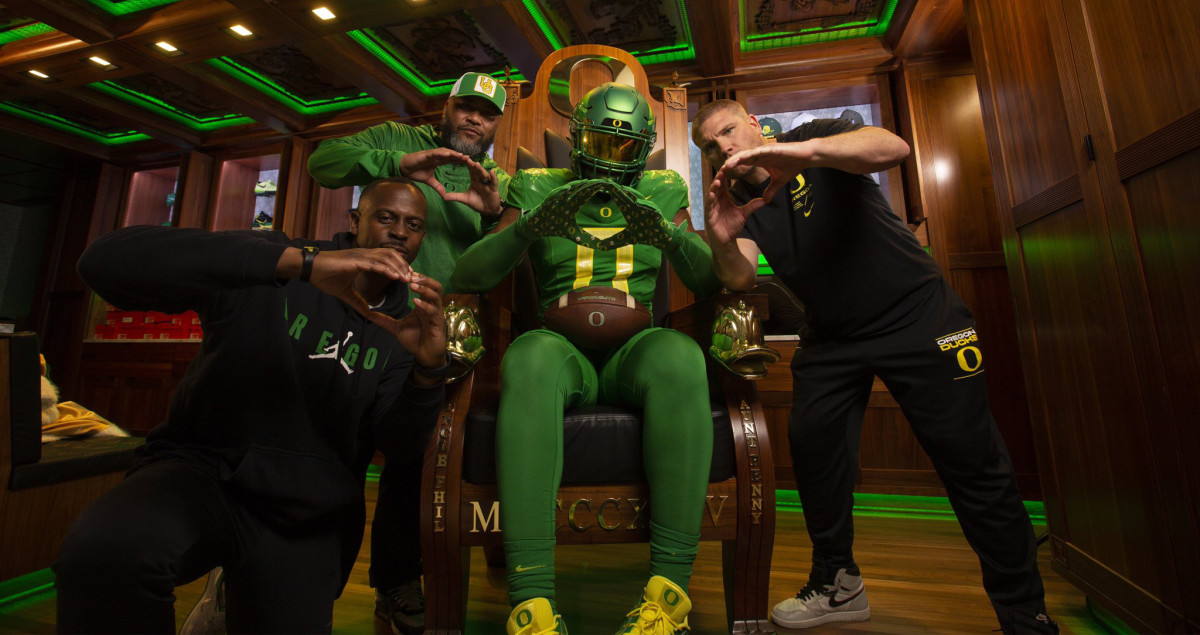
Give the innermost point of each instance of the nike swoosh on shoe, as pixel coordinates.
(834, 602)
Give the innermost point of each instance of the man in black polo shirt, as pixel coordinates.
(877, 305)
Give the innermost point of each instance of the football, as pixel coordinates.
(597, 317)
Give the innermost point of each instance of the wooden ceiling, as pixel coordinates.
(91, 74)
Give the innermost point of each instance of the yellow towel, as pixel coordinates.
(69, 420)
(75, 421)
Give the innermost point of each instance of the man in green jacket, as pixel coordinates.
(464, 189)
(439, 158)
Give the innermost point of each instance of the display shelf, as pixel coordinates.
(246, 193)
(151, 199)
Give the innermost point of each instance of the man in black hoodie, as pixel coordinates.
(311, 359)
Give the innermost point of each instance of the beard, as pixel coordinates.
(458, 143)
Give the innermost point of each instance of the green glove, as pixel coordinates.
(556, 215)
(644, 223)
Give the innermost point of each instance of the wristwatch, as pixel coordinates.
(308, 253)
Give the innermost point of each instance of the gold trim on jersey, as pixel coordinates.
(585, 263)
(624, 268)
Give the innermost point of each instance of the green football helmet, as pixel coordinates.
(612, 132)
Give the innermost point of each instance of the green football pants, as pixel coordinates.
(660, 371)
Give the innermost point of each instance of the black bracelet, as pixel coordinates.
(309, 255)
(433, 373)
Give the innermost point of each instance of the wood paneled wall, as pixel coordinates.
(1092, 112)
(953, 184)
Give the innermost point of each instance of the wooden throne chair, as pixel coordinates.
(600, 501)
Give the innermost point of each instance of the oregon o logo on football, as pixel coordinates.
(605, 212)
(962, 359)
(596, 318)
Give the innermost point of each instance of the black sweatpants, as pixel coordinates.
(169, 523)
(933, 366)
(396, 526)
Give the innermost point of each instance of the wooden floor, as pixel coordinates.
(920, 574)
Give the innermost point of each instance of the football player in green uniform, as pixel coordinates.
(604, 222)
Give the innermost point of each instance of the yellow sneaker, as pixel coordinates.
(663, 610)
(535, 617)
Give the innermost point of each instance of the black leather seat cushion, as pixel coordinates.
(601, 444)
(76, 458)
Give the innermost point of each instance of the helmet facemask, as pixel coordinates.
(612, 133)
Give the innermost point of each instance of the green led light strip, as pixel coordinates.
(30, 586)
(72, 127)
(767, 41)
(125, 7)
(675, 52)
(22, 32)
(543, 23)
(167, 110)
(398, 63)
(1111, 622)
(259, 82)
(378, 50)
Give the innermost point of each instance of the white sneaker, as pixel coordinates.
(843, 601)
(208, 616)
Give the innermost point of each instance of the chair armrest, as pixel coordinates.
(477, 329)
(727, 327)
(696, 319)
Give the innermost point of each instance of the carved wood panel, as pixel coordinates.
(443, 47)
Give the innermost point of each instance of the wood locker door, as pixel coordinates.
(1138, 76)
(1093, 436)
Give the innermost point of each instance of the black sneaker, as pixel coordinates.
(1020, 623)
(402, 607)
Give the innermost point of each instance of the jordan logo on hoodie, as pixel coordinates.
(342, 350)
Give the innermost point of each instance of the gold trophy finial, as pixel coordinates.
(464, 340)
(737, 342)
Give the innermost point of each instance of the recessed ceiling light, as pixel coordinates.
(241, 30)
(39, 74)
(166, 46)
(99, 61)
(324, 13)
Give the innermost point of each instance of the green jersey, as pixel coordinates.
(562, 265)
(375, 153)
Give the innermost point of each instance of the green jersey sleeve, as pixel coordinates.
(666, 189)
(528, 188)
(689, 256)
(374, 153)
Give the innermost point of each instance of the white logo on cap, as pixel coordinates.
(485, 85)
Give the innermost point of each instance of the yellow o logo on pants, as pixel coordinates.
(962, 359)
